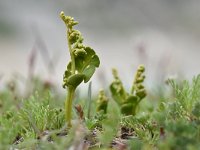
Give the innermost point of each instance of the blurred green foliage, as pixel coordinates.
(37, 120)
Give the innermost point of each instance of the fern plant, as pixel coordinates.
(82, 65)
(102, 102)
(128, 100)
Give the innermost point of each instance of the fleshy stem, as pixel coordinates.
(71, 90)
(68, 105)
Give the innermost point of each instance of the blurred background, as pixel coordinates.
(164, 35)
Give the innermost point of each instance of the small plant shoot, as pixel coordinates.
(102, 102)
(82, 65)
(128, 101)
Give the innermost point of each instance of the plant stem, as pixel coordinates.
(71, 90)
(68, 106)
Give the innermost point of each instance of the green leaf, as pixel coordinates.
(132, 99)
(88, 72)
(118, 92)
(90, 59)
(67, 74)
(115, 95)
(75, 80)
(127, 109)
(90, 52)
(79, 63)
(95, 61)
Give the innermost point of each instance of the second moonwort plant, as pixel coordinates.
(129, 101)
(82, 65)
(102, 102)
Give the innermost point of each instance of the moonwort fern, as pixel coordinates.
(128, 101)
(102, 102)
(82, 65)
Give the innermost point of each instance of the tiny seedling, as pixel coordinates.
(82, 65)
(128, 101)
(102, 102)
